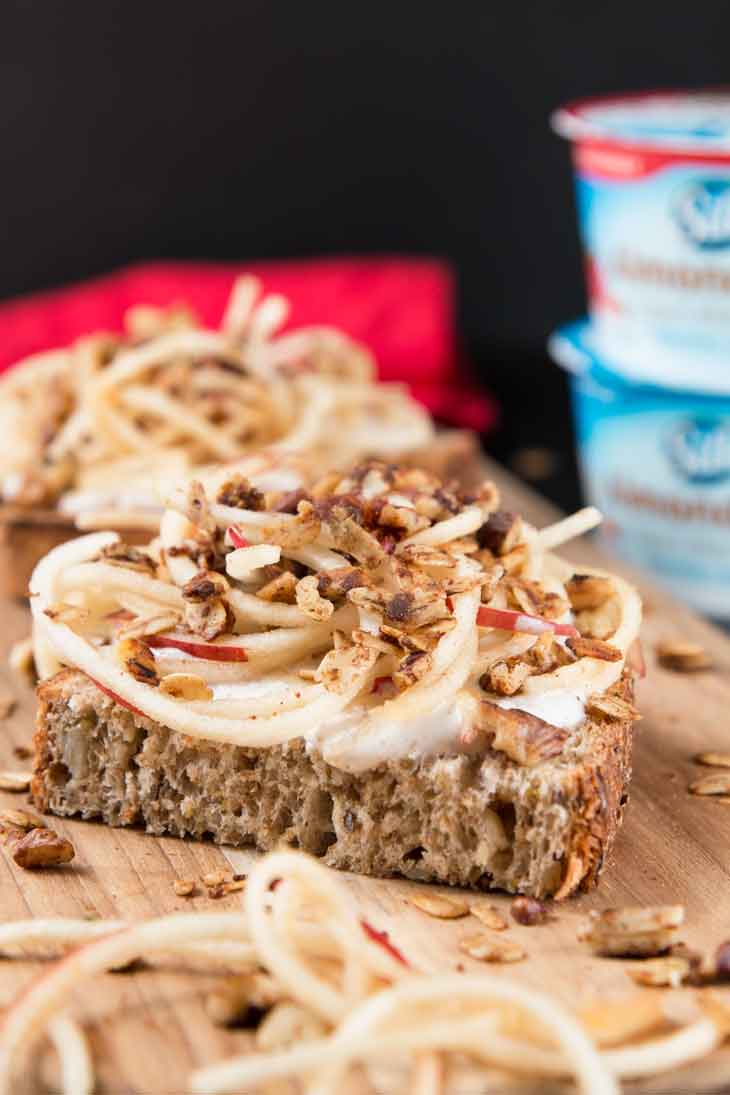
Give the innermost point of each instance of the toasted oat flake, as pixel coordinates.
(668, 972)
(21, 819)
(487, 949)
(185, 686)
(435, 904)
(713, 760)
(489, 917)
(15, 781)
(633, 930)
(683, 657)
(718, 783)
(605, 705)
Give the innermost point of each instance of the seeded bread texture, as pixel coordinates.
(479, 821)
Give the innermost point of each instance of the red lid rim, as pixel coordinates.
(569, 120)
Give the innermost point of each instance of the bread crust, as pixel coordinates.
(478, 821)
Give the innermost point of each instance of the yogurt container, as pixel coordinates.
(656, 462)
(653, 194)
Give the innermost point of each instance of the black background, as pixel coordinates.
(251, 129)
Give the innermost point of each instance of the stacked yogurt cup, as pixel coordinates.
(650, 365)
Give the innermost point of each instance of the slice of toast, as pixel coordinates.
(477, 820)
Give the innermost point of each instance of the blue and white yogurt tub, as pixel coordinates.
(655, 459)
(653, 188)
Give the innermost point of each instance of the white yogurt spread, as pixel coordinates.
(354, 742)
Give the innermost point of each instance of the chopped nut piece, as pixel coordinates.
(588, 590)
(507, 677)
(716, 784)
(131, 558)
(281, 589)
(435, 904)
(489, 917)
(501, 532)
(208, 619)
(605, 705)
(340, 581)
(135, 656)
(309, 600)
(222, 883)
(583, 647)
(668, 972)
(240, 494)
(684, 657)
(41, 848)
(713, 760)
(528, 911)
(348, 536)
(487, 949)
(530, 597)
(206, 585)
(184, 887)
(633, 930)
(411, 669)
(15, 781)
(185, 686)
(216, 878)
(524, 738)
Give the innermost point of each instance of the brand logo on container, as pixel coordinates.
(702, 211)
(699, 449)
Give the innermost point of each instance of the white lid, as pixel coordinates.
(672, 120)
(578, 346)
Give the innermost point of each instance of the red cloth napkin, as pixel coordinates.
(402, 308)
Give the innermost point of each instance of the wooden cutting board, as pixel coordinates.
(149, 1029)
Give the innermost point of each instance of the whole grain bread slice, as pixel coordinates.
(477, 820)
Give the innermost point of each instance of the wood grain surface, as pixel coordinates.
(148, 1028)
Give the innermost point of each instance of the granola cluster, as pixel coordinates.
(379, 584)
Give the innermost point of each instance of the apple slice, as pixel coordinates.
(234, 534)
(383, 940)
(212, 652)
(507, 620)
(117, 699)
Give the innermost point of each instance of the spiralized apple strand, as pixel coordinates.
(569, 528)
(75, 650)
(110, 578)
(26, 1019)
(77, 1069)
(152, 401)
(453, 528)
